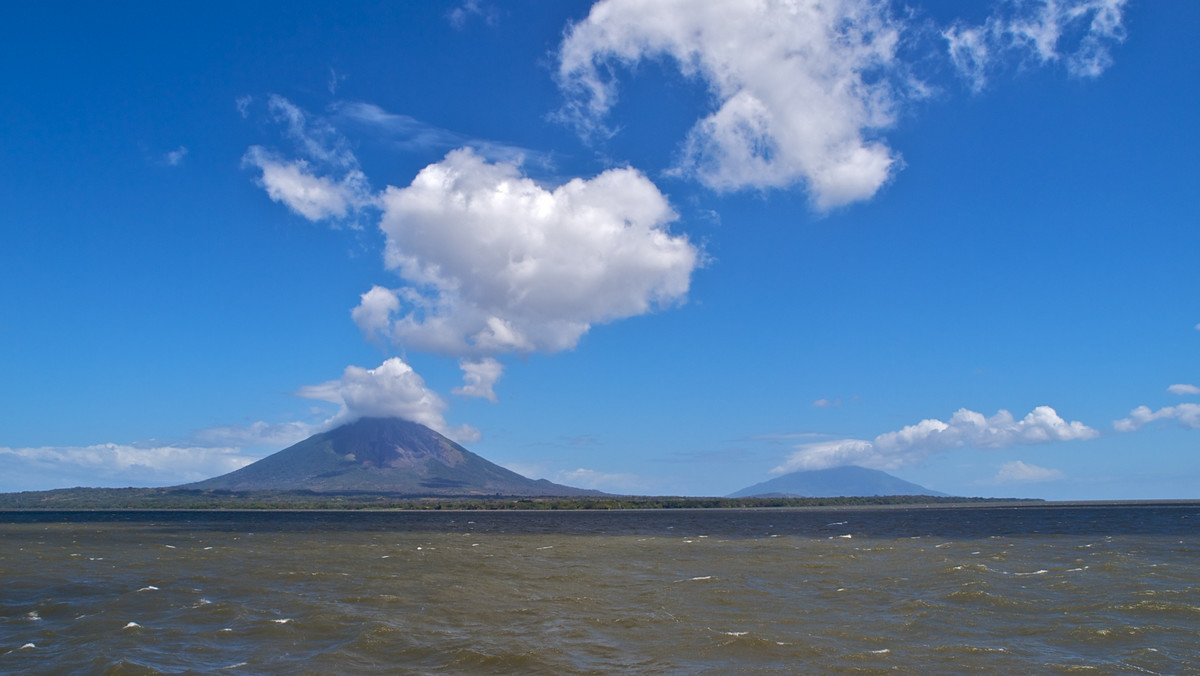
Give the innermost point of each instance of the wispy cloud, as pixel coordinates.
(410, 134)
(324, 182)
(260, 433)
(118, 465)
(1020, 472)
(1079, 32)
(1187, 415)
(611, 482)
(460, 15)
(175, 157)
(914, 443)
(1183, 389)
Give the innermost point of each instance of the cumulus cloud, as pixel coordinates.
(1079, 32)
(479, 377)
(392, 389)
(801, 88)
(913, 443)
(1183, 389)
(496, 263)
(325, 181)
(118, 465)
(1019, 472)
(374, 311)
(1187, 415)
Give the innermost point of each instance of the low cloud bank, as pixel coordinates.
(914, 443)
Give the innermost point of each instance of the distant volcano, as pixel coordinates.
(386, 455)
(849, 481)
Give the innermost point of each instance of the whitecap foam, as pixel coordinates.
(132, 625)
(33, 616)
(148, 588)
(27, 646)
(1043, 571)
(282, 621)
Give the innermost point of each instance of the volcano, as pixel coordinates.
(385, 455)
(847, 481)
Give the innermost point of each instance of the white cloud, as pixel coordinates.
(393, 389)
(1019, 472)
(325, 182)
(410, 134)
(479, 377)
(1081, 32)
(335, 79)
(460, 15)
(824, 402)
(116, 465)
(293, 183)
(913, 443)
(275, 435)
(496, 263)
(315, 138)
(1188, 415)
(1183, 389)
(175, 157)
(801, 87)
(374, 311)
(601, 481)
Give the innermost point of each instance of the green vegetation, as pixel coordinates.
(182, 498)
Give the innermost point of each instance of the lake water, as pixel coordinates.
(1095, 589)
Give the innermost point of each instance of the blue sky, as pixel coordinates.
(664, 249)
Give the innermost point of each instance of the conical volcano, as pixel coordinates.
(834, 482)
(387, 455)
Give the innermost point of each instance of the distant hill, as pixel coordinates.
(386, 455)
(848, 481)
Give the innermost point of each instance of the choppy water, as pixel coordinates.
(1054, 589)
